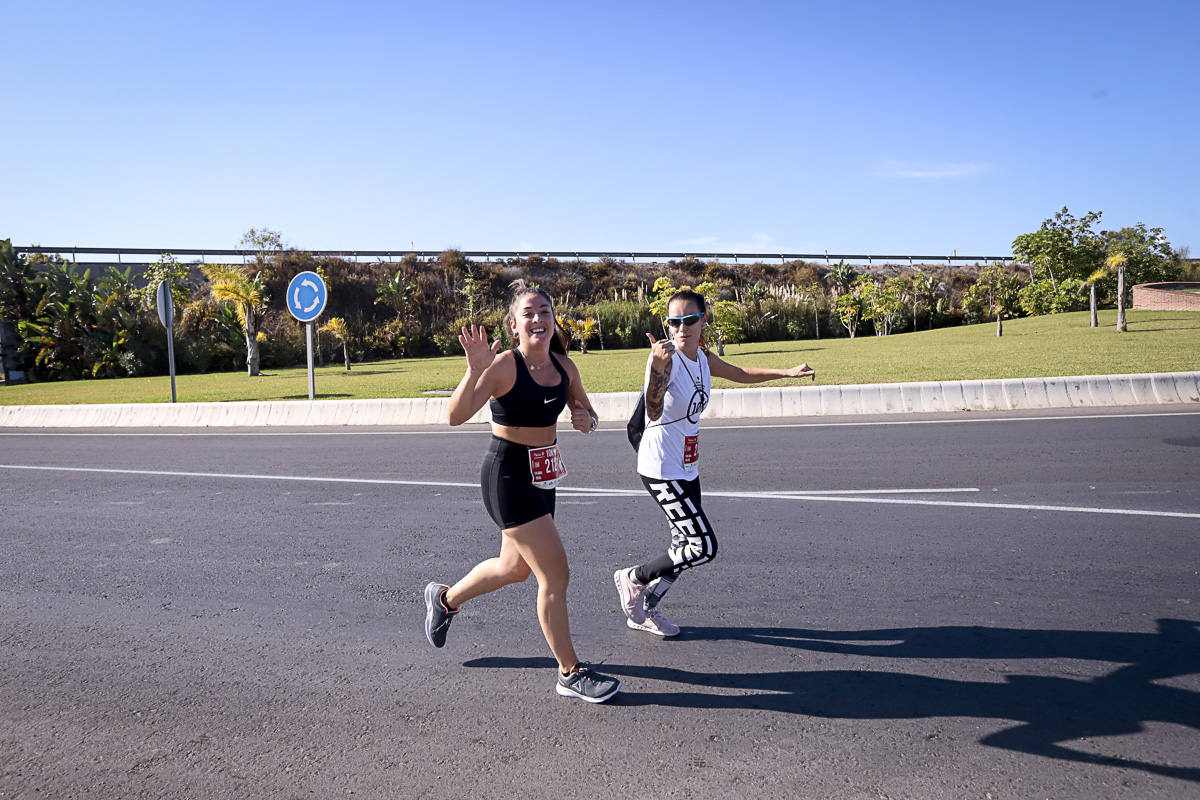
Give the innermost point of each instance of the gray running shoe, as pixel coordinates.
(437, 617)
(632, 593)
(587, 685)
(655, 623)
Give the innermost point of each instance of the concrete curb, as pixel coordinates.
(1087, 391)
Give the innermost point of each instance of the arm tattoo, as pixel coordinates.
(656, 392)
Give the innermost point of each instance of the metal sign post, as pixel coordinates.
(306, 298)
(166, 314)
(308, 335)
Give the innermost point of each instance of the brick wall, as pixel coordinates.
(1166, 296)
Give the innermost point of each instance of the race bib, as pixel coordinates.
(691, 450)
(546, 466)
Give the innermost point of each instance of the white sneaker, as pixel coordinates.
(655, 623)
(633, 595)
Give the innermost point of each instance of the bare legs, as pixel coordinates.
(490, 575)
(533, 547)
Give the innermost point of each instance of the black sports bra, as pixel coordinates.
(528, 404)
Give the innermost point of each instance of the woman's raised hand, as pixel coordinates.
(475, 344)
(662, 349)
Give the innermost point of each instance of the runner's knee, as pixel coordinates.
(517, 573)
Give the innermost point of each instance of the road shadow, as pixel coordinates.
(1049, 709)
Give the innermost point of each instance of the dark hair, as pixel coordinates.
(519, 290)
(688, 294)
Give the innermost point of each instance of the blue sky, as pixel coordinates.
(693, 126)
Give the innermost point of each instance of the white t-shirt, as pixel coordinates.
(669, 447)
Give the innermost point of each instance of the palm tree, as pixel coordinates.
(810, 293)
(1117, 262)
(586, 329)
(925, 289)
(843, 276)
(337, 327)
(1091, 283)
(248, 296)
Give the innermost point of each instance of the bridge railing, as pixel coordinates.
(204, 254)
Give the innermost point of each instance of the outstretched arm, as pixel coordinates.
(731, 372)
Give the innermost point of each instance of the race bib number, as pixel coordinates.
(546, 466)
(691, 450)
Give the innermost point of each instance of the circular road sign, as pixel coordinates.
(306, 296)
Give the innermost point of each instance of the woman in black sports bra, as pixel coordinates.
(528, 386)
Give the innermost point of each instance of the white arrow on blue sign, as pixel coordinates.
(306, 296)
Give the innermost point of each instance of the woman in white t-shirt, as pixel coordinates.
(677, 387)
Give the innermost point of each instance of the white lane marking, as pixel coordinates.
(839, 497)
(236, 475)
(708, 427)
(861, 491)
(1132, 512)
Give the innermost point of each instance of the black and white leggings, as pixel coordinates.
(693, 541)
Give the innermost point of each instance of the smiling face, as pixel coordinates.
(685, 337)
(533, 320)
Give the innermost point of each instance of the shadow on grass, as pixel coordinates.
(319, 396)
(353, 372)
(775, 352)
(1140, 329)
(1049, 709)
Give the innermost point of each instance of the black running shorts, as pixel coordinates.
(509, 495)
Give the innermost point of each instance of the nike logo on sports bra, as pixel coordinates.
(548, 400)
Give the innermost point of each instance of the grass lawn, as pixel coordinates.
(1062, 344)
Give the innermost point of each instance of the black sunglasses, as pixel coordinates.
(688, 320)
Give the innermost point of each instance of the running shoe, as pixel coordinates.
(587, 685)
(655, 623)
(437, 616)
(632, 593)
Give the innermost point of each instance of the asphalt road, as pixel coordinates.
(178, 620)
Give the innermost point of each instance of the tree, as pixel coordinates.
(336, 327)
(843, 276)
(473, 289)
(996, 292)
(1149, 257)
(1043, 296)
(925, 290)
(18, 292)
(849, 308)
(399, 295)
(881, 303)
(62, 330)
(1064, 247)
(176, 275)
(810, 294)
(1117, 262)
(248, 297)
(586, 329)
(1091, 284)
(264, 241)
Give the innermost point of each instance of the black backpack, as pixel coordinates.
(637, 422)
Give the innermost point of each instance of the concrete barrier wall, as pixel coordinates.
(1088, 391)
